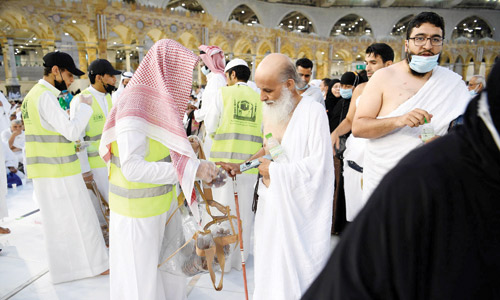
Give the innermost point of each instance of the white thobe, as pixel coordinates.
(135, 243)
(100, 174)
(294, 214)
(214, 82)
(19, 142)
(4, 113)
(316, 94)
(225, 195)
(73, 237)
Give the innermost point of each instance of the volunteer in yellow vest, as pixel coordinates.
(73, 238)
(234, 123)
(102, 83)
(148, 153)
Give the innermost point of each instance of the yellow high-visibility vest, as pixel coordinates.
(239, 135)
(94, 131)
(48, 153)
(137, 199)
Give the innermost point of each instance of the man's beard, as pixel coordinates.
(280, 111)
(408, 59)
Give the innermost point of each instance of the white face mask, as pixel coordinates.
(423, 64)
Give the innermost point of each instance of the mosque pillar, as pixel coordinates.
(278, 45)
(102, 36)
(82, 59)
(231, 56)
(127, 60)
(11, 82)
(92, 54)
(140, 51)
(315, 69)
(254, 63)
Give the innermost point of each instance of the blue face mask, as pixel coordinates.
(346, 93)
(205, 70)
(472, 93)
(423, 64)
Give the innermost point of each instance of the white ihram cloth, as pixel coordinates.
(316, 94)
(214, 82)
(444, 95)
(353, 187)
(73, 237)
(294, 215)
(100, 174)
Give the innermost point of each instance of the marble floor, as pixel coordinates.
(24, 272)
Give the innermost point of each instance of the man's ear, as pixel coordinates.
(406, 46)
(290, 84)
(388, 63)
(55, 70)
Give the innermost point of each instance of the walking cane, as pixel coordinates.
(240, 237)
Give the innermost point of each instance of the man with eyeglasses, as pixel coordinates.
(400, 98)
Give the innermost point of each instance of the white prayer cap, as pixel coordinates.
(235, 62)
(127, 74)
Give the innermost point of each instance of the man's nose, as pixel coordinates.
(263, 97)
(427, 44)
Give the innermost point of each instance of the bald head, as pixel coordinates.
(275, 72)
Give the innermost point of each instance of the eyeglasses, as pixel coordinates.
(420, 40)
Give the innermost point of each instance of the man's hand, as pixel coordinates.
(264, 171)
(232, 169)
(414, 118)
(87, 99)
(335, 141)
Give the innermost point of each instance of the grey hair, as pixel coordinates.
(480, 79)
(16, 122)
(290, 72)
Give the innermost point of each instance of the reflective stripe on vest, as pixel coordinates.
(230, 155)
(46, 138)
(51, 160)
(239, 135)
(137, 199)
(140, 193)
(94, 130)
(48, 153)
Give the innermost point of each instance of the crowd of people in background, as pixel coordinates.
(341, 142)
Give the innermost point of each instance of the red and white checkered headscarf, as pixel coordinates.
(154, 103)
(213, 58)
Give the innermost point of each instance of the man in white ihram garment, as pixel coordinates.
(124, 80)
(378, 56)
(148, 152)
(73, 238)
(400, 98)
(102, 82)
(294, 212)
(214, 63)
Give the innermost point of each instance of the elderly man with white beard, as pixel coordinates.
(293, 219)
